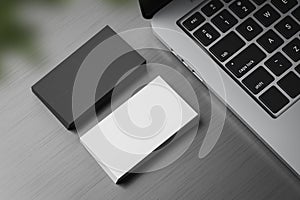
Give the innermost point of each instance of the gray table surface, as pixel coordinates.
(39, 159)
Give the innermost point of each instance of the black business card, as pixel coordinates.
(55, 90)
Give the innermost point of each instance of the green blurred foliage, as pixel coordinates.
(118, 2)
(14, 35)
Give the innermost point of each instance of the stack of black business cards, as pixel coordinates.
(55, 90)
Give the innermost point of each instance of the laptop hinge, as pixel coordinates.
(150, 7)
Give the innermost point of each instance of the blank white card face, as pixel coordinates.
(135, 129)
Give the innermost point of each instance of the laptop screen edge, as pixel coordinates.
(150, 7)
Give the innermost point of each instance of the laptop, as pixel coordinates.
(255, 45)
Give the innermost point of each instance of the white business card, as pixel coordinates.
(135, 129)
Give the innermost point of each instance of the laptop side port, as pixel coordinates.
(186, 64)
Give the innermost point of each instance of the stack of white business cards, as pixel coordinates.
(127, 136)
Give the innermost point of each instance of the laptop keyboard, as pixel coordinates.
(256, 42)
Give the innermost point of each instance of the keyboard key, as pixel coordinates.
(274, 99)
(193, 21)
(292, 49)
(258, 80)
(206, 34)
(245, 60)
(284, 5)
(278, 64)
(242, 8)
(290, 84)
(287, 27)
(224, 21)
(227, 46)
(270, 41)
(298, 69)
(249, 29)
(212, 7)
(296, 13)
(267, 15)
(259, 2)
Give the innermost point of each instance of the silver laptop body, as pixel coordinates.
(280, 133)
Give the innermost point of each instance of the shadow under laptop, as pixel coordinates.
(256, 162)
